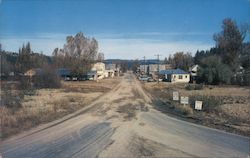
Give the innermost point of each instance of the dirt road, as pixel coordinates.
(123, 123)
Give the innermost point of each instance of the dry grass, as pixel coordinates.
(226, 95)
(90, 86)
(225, 107)
(50, 104)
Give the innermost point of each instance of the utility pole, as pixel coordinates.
(144, 64)
(158, 68)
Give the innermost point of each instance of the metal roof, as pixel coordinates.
(173, 71)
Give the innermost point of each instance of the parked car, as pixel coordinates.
(90, 78)
(83, 77)
(74, 78)
(143, 78)
(67, 78)
(150, 79)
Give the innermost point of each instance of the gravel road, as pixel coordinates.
(123, 123)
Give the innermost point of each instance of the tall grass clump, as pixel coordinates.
(194, 87)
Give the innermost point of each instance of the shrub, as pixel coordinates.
(209, 103)
(213, 71)
(10, 98)
(246, 77)
(47, 79)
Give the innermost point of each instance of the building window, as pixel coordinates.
(180, 76)
(186, 76)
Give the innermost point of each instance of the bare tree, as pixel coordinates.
(78, 53)
(100, 57)
(181, 60)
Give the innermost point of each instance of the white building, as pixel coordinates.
(153, 68)
(109, 73)
(175, 76)
(193, 72)
(99, 68)
(110, 66)
(113, 69)
(144, 68)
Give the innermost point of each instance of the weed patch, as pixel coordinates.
(209, 102)
(194, 87)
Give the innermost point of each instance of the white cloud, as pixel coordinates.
(137, 48)
(112, 45)
(150, 34)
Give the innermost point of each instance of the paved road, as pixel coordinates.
(123, 123)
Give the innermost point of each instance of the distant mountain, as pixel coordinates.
(116, 61)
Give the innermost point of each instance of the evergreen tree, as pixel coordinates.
(229, 42)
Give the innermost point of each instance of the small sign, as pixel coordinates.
(198, 105)
(184, 100)
(176, 95)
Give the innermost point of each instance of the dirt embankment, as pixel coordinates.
(45, 105)
(226, 108)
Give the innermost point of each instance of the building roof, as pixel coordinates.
(173, 71)
(63, 72)
(194, 68)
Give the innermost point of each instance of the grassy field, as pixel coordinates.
(45, 105)
(224, 107)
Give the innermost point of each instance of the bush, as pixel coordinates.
(246, 77)
(209, 103)
(213, 71)
(47, 79)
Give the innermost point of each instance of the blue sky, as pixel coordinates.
(126, 29)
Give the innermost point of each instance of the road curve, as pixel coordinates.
(123, 123)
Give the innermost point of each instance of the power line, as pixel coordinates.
(158, 68)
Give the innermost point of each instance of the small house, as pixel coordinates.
(175, 76)
(99, 68)
(112, 70)
(109, 73)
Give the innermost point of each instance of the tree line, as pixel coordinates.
(226, 63)
(77, 54)
(22, 61)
